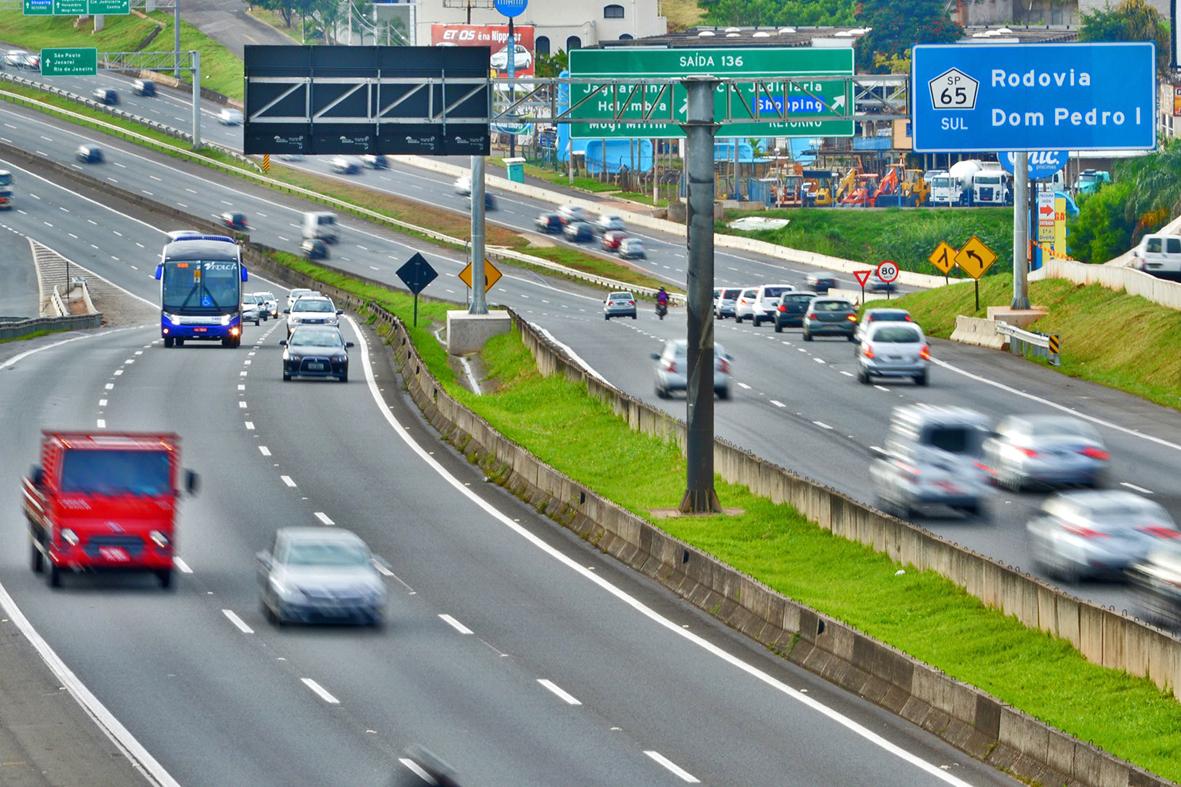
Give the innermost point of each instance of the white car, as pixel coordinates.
(573, 213)
(893, 349)
(463, 185)
(312, 310)
(296, 294)
(767, 301)
(251, 308)
(345, 165)
(744, 304)
(270, 302)
(610, 221)
(522, 59)
(229, 117)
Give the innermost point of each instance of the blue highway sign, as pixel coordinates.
(1042, 164)
(1034, 97)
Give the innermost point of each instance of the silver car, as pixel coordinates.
(1045, 449)
(932, 457)
(724, 305)
(251, 308)
(312, 310)
(270, 302)
(619, 304)
(672, 369)
(320, 575)
(297, 293)
(893, 349)
(1157, 582)
(1097, 533)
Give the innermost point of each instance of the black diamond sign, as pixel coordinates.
(417, 273)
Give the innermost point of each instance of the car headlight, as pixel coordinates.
(341, 358)
(159, 538)
(285, 591)
(286, 356)
(69, 536)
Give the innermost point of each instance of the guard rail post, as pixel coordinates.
(1042, 345)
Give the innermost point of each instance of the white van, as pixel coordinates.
(1159, 255)
(320, 224)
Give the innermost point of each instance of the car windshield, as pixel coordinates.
(309, 305)
(730, 294)
(5, 178)
(1123, 514)
(116, 472)
(326, 553)
(250, 299)
(316, 339)
(897, 335)
(832, 306)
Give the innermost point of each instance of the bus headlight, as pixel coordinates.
(159, 539)
(225, 319)
(70, 537)
(170, 317)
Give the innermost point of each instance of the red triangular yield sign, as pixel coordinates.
(862, 276)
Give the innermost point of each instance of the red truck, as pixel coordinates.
(105, 500)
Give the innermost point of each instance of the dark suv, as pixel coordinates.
(791, 309)
(550, 223)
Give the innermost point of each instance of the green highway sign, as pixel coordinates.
(69, 62)
(791, 81)
(112, 7)
(76, 7)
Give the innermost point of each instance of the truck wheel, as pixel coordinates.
(37, 561)
(165, 577)
(180, 342)
(55, 576)
(169, 341)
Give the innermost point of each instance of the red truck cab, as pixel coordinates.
(105, 500)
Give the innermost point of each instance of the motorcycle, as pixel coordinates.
(661, 310)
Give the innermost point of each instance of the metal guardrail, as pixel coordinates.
(1042, 345)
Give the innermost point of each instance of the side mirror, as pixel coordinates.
(656, 356)
(192, 482)
(264, 561)
(287, 311)
(339, 312)
(37, 475)
(348, 344)
(282, 342)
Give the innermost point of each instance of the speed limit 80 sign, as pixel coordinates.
(887, 271)
(953, 89)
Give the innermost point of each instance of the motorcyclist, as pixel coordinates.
(661, 299)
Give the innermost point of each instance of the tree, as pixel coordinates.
(552, 64)
(1131, 20)
(897, 25)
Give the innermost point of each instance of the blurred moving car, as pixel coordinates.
(375, 161)
(314, 248)
(893, 350)
(724, 306)
(1158, 255)
(320, 224)
(1097, 533)
(270, 303)
(877, 284)
(1156, 581)
(15, 58)
(320, 574)
(579, 232)
(251, 308)
(7, 190)
(881, 315)
(463, 185)
(229, 117)
(316, 351)
(619, 304)
(610, 221)
(489, 200)
(632, 249)
(89, 154)
(33, 61)
(791, 310)
(672, 369)
(105, 95)
(830, 317)
(571, 213)
(143, 87)
(549, 223)
(821, 283)
(932, 457)
(312, 310)
(744, 305)
(767, 302)
(1047, 450)
(235, 220)
(297, 293)
(611, 239)
(345, 165)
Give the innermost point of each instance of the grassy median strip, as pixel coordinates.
(920, 613)
(1108, 337)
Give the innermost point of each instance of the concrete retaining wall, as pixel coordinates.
(22, 328)
(978, 331)
(1166, 293)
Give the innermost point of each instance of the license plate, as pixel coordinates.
(114, 554)
(316, 367)
(200, 329)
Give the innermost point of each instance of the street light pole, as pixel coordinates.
(700, 497)
(1020, 230)
(176, 39)
(478, 305)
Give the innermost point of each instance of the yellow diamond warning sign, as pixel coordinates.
(943, 257)
(975, 257)
(491, 275)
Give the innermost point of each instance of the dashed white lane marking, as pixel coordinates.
(819, 360)
(102, 402)
(109, 387)
(242, 373)
(241, 386)
(564, 695)
(324, 518)
(242, 405)
(262, 449)
(1135, 488)
(744, 386)
(847, 374)
(822, 425)
(249, 426)
(672, 767)
(237, 621)
(183, 566)
(118, 372)
(455, 624)
(778, 403)
(287, 480)
(102, 424)
(319, 691)
(139, 352)
(882, 388)
(417, 770)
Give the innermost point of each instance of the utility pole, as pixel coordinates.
(700, 497)
(479, 305)
(196, 75)
(1020, 230)
(176, 40)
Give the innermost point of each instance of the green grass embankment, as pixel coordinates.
(920, 613)
(1108, 337)
(905, 235)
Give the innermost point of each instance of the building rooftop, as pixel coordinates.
(835, 36)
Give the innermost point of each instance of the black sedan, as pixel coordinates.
(579, 232)
(89, 154)
(235, 220)
(822, 283)
(550, 223)
(316, 351)
(791, 310)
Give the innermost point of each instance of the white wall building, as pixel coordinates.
(560, 24)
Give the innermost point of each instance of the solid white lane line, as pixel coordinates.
(237, 621)
(320, 691)
(287, 480)
(1135, 488)
(778, 403)
(262, 449)
(385, 572)
(675, 769)
(455, 624)
(822, 425)
(324, 518)
(183, 566)
(417, 770)
(641, 608)
(564, 695)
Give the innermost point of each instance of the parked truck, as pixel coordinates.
(954, 186)
(105, 501)
(1091, 180)
(992, 186)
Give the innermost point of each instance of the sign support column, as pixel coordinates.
(195, 74)
(700, 497)
(478, 305)
(1020, 231)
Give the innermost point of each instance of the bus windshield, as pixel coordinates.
(208, 286)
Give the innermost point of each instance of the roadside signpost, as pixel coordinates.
(416, 274)
(943, 258)
(887, 271)
(69, 62)
(974, 258)
(511, 8)
(796, 74)
(862, 277)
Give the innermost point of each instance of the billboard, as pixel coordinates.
(496, 38)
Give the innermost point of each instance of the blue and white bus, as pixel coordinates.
(201, 279)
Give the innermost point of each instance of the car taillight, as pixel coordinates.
(1082, 531)
(670, 366)
(1028, 452)
(631, 303)
(867, 351)
(1160, 531)
(907, 318)
(811, 315)
(723, 366)
(1092, 452)
(925, 353)
(852, 318)
(782, 308)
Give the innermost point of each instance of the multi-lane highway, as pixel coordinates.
(797, 404)
(512, 650)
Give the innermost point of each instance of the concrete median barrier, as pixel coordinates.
(978, 331)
